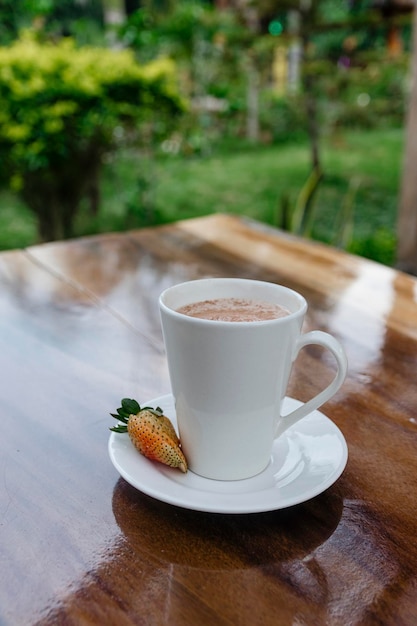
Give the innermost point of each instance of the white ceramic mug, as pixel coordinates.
(229, 378)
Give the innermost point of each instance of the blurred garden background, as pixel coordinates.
(122, 114)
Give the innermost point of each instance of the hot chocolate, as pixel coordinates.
(234, 310)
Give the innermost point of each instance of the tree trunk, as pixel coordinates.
(54, 214)
(114, 12)
(308, 21)
(310, 103)
(54, 195)
(407, 219)
(249, 13)
(252, 102)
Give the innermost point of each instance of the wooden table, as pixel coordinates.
(79, 330)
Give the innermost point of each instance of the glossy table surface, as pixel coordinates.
(79, 330)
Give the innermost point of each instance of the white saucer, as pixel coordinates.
(305, 461)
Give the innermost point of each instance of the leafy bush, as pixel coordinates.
(83, 20)
(62, 109)
(284, 118)
(369, 95)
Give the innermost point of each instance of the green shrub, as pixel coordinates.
(283, 117)
(62, 109)
(370, 95)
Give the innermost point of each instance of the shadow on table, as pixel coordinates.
(212, 541)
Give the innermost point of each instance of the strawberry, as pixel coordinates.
(151, 432)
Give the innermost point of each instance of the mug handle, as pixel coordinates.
(320, 338)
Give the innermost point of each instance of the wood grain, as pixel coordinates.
(80, 329)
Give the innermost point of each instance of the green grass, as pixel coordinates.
(373, 160)
(250, 181)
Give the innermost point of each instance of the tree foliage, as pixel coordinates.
(62, 109)
(83, 20)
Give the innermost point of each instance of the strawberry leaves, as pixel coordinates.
(130, 407)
